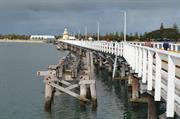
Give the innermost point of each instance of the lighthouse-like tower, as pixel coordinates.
(65, 34)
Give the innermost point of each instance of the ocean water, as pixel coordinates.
(22, 92)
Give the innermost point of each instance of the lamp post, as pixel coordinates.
(98, 31)
(79, 32)
(85, 33)
(124, 13)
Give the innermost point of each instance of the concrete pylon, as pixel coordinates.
(48, 97)
(83, 91)
(93, 96)
(110, 69)
(135, 88)
(151, 108)
(100, 63)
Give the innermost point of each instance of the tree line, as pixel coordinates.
(160, 34)
(15, 36)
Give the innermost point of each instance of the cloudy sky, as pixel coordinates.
(51, 16)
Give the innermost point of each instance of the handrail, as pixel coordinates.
(141, 59)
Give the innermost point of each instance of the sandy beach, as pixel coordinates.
(22, 41)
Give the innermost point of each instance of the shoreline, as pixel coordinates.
(22, 41)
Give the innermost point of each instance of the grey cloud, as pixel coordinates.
(50, 16)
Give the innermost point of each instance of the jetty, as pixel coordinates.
(149, 70)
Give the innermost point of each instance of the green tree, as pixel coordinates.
(162, 26)
(136, 36)
(175, 26)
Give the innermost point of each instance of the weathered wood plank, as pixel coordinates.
(46, 73)
(62, 81)
(53, 67)
(68, 92)
(87, 82)
(72, 87)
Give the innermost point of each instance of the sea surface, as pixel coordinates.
(22, 91)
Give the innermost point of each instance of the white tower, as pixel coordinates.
(65, 34)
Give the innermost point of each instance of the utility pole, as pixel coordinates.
(79, 32)
(98, 31)
(124, 13)
(85, 33)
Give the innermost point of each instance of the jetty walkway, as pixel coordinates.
(157, 70)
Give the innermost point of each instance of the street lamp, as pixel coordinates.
(98, 31)
(79, 32)
(124, 13)
(85, 33)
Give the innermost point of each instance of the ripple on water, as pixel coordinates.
(22, 93)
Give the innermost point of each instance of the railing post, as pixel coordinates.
(136, 60)
(103, 47)
(140, 63)
(176, 47)
(171, 46)
(134, 57)
(106, 47)
(170, 88)
(144, 77)
(115, 47)
(150, 68)
(109, 47)
(158, 46)
(121, 49)
(118, 48)
(124, 49)
(157, 96)
(112, 47)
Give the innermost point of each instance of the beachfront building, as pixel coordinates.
(42, 37)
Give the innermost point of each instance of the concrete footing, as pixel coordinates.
(123, 70)
(95, 61)
(100, 63)
(130, 80)
(48, 97)
(135, 88)
(83, 93)
(93, 96)
(151, 108)
(110, 69)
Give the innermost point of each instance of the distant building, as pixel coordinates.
(42, 37)
(65, 34)
(72, 38)
(90, 39)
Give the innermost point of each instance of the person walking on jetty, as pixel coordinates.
(165, 45)
(148, 43)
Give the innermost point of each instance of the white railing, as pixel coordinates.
(160, 69)
(159, 45)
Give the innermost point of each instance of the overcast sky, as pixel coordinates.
(51, 16)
